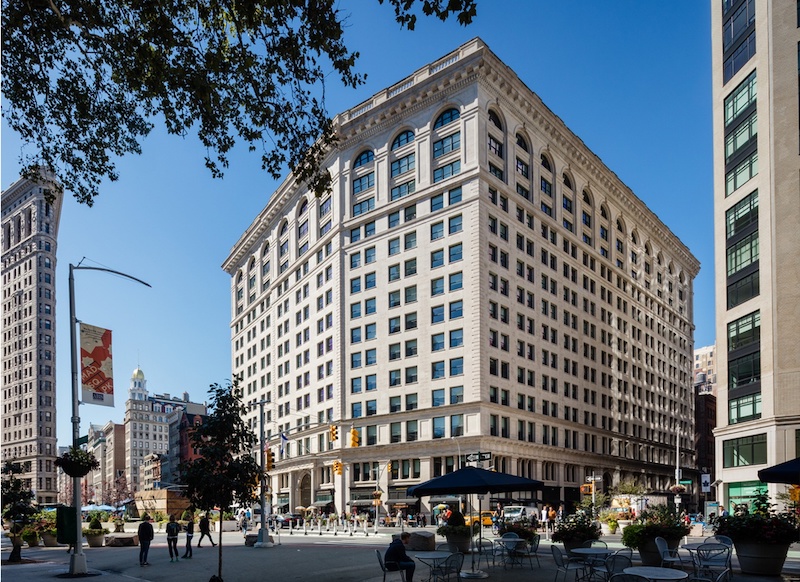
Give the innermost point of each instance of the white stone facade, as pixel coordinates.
(477, 280)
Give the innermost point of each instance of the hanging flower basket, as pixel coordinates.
(77, 463)
(678, 489)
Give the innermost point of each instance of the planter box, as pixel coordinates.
(95, 541)
(761, 559)
(229, 525)
(49, 540)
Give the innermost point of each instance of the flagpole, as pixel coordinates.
(77, 562)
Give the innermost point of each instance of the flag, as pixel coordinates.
(97, 377)
(284, 440)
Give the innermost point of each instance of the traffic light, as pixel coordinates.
(587, 489)
(354, 437)
(334, 432)
(270, 460)
(337, 467)
(389, 466)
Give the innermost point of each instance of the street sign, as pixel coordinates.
(473, 457)
(685, 481)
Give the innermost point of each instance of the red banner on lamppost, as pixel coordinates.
(97, 377)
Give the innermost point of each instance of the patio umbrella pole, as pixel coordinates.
(475, 573)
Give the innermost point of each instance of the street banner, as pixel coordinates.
(705, 483)
(97, 377)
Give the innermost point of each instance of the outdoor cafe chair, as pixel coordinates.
(613, 564)
(669, 556)
(449, 569)
(565, 566)
(386, 570)
(711, 559)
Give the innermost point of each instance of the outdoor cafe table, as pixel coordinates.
(590, 556)
(654, 573)
(432, 559)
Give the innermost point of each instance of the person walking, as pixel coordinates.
(189, 535)
(396, 558)
(172, 538)
(205, 530)
(146, 535)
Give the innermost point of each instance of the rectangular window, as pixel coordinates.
(457, 425)
(456, 338)
(364, 206)
(546, 187)
(363, 183)
(438, 427)
(743, 53)
(743, 371)
(437, 397)
(740, 98)
(496, 172)
(403, 190)
(437, 314)
(455, 253)
(495, 146)
(437, 230)
(743, 289)
(522, 168)
(744, 213)
(740, 137)
(455, 224)
(437, 258)
(437, 286)
(446, 145)
(456, 309)
(457, 366)
(749, 450)
(456, 281)
(402, 165)
(744, 408)
(454, 196)
(446, 171)
(744, 331)
(743, 253)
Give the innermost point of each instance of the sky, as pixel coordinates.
(631, 78)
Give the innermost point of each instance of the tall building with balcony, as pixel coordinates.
(757, 231)
(476, 280)
(30, 220)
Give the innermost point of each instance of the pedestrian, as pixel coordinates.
(205, 530)
(245, 524)
(146, 535)
(396, 558)
(189, 535)
(172, 538)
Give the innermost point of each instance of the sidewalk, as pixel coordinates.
(298, 557)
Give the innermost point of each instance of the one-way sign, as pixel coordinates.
(473, 457)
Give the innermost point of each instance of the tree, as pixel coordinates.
(225, 472)
(18, 505)
(84, 80)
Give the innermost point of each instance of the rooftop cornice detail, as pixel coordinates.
(498, 78)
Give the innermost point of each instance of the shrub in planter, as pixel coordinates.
(575, 529)
(95, 528)
(656, 521)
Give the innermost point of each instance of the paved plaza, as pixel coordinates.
(340, 558)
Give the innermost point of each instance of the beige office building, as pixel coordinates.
(30, 233)
(477, 280)
(757, 232)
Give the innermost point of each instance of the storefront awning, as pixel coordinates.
(360, 502)
(445, 499)
(321, 503)
(404, 500)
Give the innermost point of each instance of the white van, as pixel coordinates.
(514, 513)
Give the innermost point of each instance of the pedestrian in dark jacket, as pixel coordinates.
(146, 535)
(396, 558)
(205, 530)
(172, 538)
(189, 535)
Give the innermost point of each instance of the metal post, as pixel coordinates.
(77, 562)
(263, 533)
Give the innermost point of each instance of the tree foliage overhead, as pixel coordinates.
(85, 80)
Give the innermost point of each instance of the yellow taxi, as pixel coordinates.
(486, 518)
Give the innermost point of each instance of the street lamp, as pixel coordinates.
(77, 562)
(458, 465)
(263, 534)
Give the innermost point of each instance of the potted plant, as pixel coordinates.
(678, 489)
(575, 530)
(523, 531)
(76, 462)
(95, 533)
(30, 536)
(457, 532)
(608, 521)
(761, 538)
(656, 521)
(45, 523)
(17, 503)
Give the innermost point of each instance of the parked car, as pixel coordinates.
(486, 518)
(295, 519)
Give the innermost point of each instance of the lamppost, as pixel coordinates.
(263, 534)
(458, 465)
(77, 562)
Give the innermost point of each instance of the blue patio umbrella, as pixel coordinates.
(473, 480)
(788, 472)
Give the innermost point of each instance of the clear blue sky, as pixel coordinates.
(630, 78)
